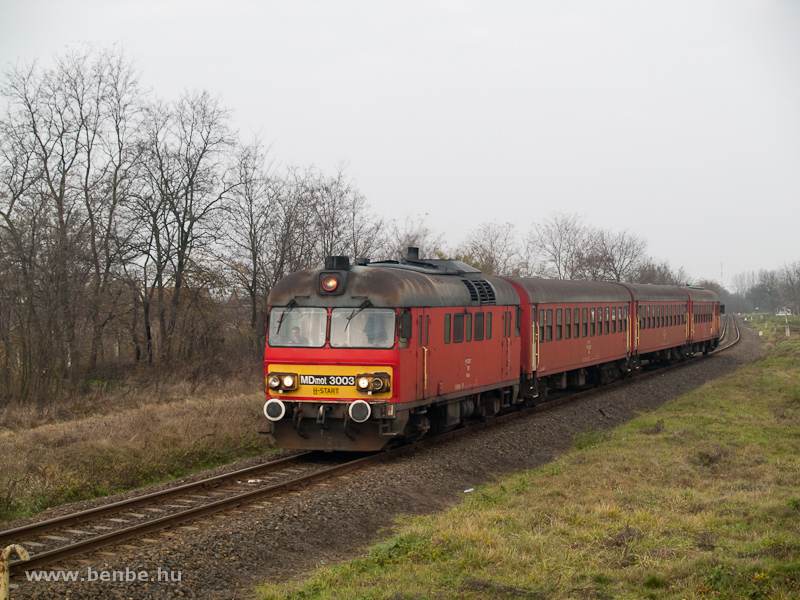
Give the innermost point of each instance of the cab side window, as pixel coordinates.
(458, 328)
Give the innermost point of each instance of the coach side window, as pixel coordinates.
(549, 326)
(559, 325)
(541, 324)
(592, 321)
(576, 323)
(447, 328)
(613, 319)
(488, 326)
(606, 321)
(585, 321)
(567, 323)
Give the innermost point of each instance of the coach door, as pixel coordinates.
(508, 332)
(534, 340)
(423, 354)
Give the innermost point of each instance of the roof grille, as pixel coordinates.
(480, 291)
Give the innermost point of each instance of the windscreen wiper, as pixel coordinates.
(365, 304)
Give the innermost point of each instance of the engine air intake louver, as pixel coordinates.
(480, 290)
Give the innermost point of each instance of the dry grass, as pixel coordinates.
(115, 437)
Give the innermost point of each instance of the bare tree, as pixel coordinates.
(494, 249)
(619, 254)
(659, 273)
(562, 240)
(64, 139)
(412, 231)
(186, 168)
(250, 217)
(344, 225)
(790, 286)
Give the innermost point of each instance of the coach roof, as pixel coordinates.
(701, 295)
(645, 292)
(560, 291)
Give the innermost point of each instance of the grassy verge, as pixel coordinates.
(698, 500)
(134, 435)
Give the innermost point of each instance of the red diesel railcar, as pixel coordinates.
(361, 355)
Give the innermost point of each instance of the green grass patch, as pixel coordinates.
(700, 499)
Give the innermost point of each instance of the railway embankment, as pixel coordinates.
(698, 499)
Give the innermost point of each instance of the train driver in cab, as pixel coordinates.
(295, 339)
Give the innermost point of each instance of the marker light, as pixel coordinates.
(274, 410)
(274, 381)
(288, 381)
(363, 383)
(360, 411)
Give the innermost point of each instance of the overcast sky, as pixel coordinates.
(679, 119)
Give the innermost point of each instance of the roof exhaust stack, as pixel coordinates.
(338, 263)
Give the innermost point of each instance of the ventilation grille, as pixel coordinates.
(480, 291)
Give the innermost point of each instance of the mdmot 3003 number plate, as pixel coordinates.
(327, 380)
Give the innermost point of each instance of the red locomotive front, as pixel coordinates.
(358, 356)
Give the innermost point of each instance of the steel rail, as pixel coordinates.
(168, 521)
(106, 509)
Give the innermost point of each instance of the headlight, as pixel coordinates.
(374, 383)
(282, 382)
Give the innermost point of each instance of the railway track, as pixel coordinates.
(70, 535)
(64, 537)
